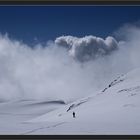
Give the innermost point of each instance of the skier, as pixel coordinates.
(73, 114)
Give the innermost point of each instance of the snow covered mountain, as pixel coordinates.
(113, 110)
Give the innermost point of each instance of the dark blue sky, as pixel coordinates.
(48, 22)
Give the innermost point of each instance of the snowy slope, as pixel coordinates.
(13, 114)
(114, 110)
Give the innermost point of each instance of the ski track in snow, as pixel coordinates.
(40, 128)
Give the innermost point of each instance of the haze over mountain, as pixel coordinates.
(96, 77)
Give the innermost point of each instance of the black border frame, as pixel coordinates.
(67, 3)
(114, 137)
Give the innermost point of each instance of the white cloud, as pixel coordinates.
(88, 47)
(50, 72)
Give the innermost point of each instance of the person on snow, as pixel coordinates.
(73, 114)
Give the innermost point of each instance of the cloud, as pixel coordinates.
(66, 69)
(40, 72)
(128, 31)
(88, 47)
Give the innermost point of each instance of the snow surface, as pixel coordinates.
(114, 110)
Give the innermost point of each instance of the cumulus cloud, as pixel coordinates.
(52, 72)
(88, 47)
